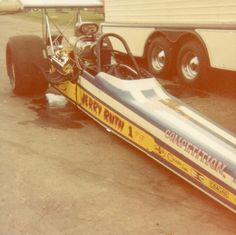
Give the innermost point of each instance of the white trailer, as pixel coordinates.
(183, 36)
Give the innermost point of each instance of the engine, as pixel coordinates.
(62, 61)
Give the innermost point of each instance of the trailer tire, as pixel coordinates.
(192, 63)
(25, 63)
(159, 57)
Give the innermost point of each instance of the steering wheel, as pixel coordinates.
(105, 41)
(122, 71)
(112, 69)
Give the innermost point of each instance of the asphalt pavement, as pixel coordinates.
(62, 174)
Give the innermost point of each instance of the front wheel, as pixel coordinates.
(159, 57)
(192, 63)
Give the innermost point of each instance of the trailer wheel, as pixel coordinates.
(192, 63)
(25, 63)
(159, 57)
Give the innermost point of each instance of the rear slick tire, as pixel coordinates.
(25, 62)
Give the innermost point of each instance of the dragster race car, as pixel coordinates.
(99, 75)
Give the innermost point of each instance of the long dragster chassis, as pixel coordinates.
(143, 114)
(107, 84)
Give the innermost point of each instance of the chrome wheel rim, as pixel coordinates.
(190, 66)
(158, 59)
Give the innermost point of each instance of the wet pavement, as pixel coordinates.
(67, 116)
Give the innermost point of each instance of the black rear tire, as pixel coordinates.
(25, 62)
(192, 64)
(159, 57)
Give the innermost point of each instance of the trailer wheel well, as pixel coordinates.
(180, 40)
(150, 39)
(186, 37)
(192, 60)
